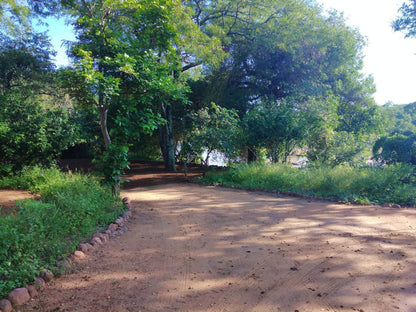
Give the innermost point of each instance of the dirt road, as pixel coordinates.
(199, 248)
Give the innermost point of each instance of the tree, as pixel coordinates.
(406, 21)
(394, 149)
(195, 44)
(123, 64)
(14, 18)
(213, 129)
(34, 129)
(269, 125)
(25, 62)
(279, 50)
(31, 134)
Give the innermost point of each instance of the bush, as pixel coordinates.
(31, 134)
(42, 233)
(391, 184)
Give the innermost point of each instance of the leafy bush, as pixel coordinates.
(392, 184)
(112, 163)
(31, 134)
(44, 232)
(394, 149)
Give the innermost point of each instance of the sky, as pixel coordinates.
(388, 56)
(59, 33)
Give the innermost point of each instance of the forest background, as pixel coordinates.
(170, 80)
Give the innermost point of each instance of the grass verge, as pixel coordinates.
(44, 232)
(364, 185)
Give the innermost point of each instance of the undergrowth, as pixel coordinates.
(362, 185)
(44, 232)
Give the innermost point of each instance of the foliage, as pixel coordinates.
(278, 126)
(25, 62)
(14, 17)
(406, 21)
(398, 145)
(112, 164)
(305, 62)
(119, 69)
(193, 46)
(213, 129)
(44, 232)
(31, 134)
(339, 147)
(399, 119)
(391, 184)
(394, 149)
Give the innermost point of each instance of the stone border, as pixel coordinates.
(22, 295)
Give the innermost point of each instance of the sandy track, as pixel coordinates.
(198, 248)
(8, 200)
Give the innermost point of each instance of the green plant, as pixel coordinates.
(43, 232)
(112, 164)
(392, 184)
(31, 134)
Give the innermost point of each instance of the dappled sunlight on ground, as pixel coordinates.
(197, 248)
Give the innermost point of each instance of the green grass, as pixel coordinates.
(44, 232)
(364, 185)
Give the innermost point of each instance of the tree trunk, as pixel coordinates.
(103, 124)
(251, 154)
(166, 140)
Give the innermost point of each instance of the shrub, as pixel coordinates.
(392, 184)
(31, 134)
(44, 232)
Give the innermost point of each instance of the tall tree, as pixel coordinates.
(287, 49)
(124, 57)
(33, 129)
(195, 44)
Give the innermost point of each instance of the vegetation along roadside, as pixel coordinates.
(44, 232)
(361, 185)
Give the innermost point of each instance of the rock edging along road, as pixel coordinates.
(201, 248)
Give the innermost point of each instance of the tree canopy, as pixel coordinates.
(280, 75)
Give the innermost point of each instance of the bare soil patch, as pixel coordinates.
(202, 248)
(8, 200)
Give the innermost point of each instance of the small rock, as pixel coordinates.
(101, 236)
(39, 283)
(83, 247)
(19, 296)
(46, 275)
(96, 240)
(108, 232)
(5, 305)
(396, 206)
(106, 236)
(32, 291)
(386, 205)
(126, 201)
(79, 254)
(113, 227)
(90, 247)
(119, 221)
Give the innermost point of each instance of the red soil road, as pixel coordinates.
(201, 248)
